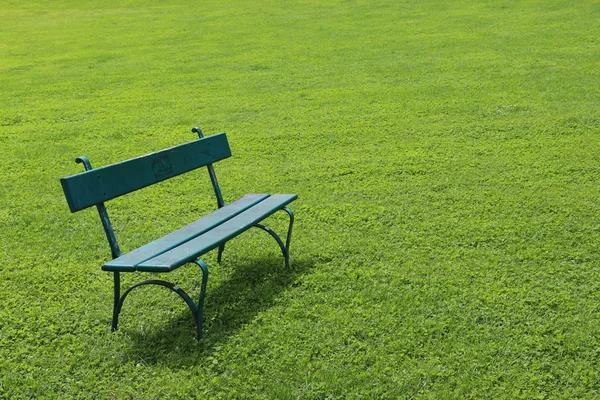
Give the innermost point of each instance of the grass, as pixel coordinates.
(446, 155)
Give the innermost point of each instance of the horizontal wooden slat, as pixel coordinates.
(190, 250)
(101, 184)
(127, 262)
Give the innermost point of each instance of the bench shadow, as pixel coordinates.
(250, 289)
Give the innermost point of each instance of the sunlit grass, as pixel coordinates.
(446, 156)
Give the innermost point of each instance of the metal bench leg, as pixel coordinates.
(289, 235)
(285, 248)
(221, 250)
(279, 242)
(117, 297)
(197, 310)
(200, 308)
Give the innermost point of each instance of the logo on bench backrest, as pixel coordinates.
(162, 167)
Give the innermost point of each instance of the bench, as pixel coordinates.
(95, 186)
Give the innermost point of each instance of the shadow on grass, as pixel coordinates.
(250, 289)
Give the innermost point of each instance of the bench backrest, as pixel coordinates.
(98, 185)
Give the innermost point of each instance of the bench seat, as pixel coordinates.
(199, 237)
(211, 239)
(127, 262)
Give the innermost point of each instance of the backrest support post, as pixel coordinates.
(211, 173)
(108, 230)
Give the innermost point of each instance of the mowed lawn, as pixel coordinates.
(447, 161)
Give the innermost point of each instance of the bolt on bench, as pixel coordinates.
(97, 185)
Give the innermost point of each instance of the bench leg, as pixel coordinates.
(221, 250)
(197, 310)
(289, 235)
(117, 297)
(200, 309)
(285, 248)
(279, 242)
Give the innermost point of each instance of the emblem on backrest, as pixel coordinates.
(162, 167)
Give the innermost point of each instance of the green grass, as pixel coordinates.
(447, 159)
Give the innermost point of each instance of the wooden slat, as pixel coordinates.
(127, 262)
(190, 250)
(101, 184)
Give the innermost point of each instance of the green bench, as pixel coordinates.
(183, 246)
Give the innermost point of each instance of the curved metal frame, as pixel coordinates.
(196, 309)
(285, 248)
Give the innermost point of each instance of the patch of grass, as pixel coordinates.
(446, 157)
